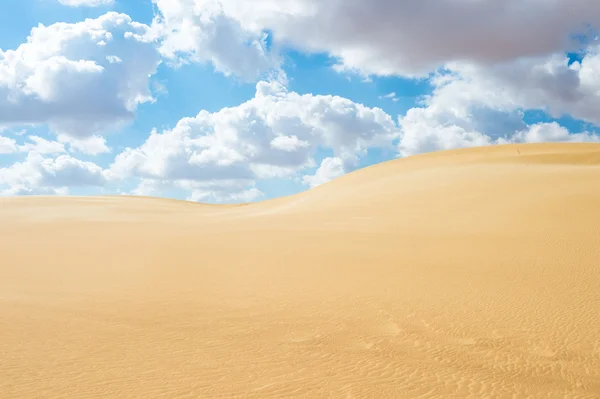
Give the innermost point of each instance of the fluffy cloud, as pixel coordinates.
(85, 78)
(496, 62)
(551, 83)
(24, 190)
(453, 117)
(472, 105)
(544, 132)
(85, 3)
(200, 31)
(331, 167)
(63, 76)
(224, 191)
(92, 145)
(7, 145)
(388, 37)
(39, 175)
(40, 145)
(436, 128)
(274, 134)
(35, 144)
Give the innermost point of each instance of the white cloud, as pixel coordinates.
(451, 120)
(225, 191)
(42, 146)
(24, 190)
(275, 134)
(551, 132)
(62, 76)
(381, 37)
(473, 105)
(390, 96)
(330, 168)
(412, 38)
(199, 31)
(288, 143)
(92, 145)
(85, 3)
(37, 174)
(424, 131)
(546, 83)
(113, 59)
(35, 144)
(7, 145)
(85, 78)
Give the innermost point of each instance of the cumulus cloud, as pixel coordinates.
(34, 144)
(92, 145)
(237, 191)
(200, 31)
(25, 190)
(551, 84)
(274, 134)
(488, 62)
(7, 145)
(472, 105)
(42, 146)
(467, 124)
(512, 49)
(222, 191)
(62, 75)
(545, 132)
(412, 38)
(85, 3)
(331, 167)
(37, 174)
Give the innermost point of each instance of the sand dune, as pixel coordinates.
(470, 273)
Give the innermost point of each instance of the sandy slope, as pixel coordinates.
(470, 273)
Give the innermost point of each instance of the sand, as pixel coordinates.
(471, 273)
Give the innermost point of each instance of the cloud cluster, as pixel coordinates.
(412, 38)
(200, 31)
(499, 58)
(81, 79)
(8, 145)
(275, 134)
(472, 105)
(330, 168)
(551, 83)
(488, 62)
(40, 175)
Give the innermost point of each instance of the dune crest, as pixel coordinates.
(467, 273)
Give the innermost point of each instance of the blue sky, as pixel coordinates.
(217, 101)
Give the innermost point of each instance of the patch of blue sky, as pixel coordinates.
(313, 73)
(573, 125)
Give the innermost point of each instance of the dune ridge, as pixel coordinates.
(471, 273)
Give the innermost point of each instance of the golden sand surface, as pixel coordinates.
(466, 273)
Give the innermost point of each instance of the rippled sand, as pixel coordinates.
(470, 273)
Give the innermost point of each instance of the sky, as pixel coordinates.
(227, 101)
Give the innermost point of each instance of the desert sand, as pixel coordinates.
(466, 273)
